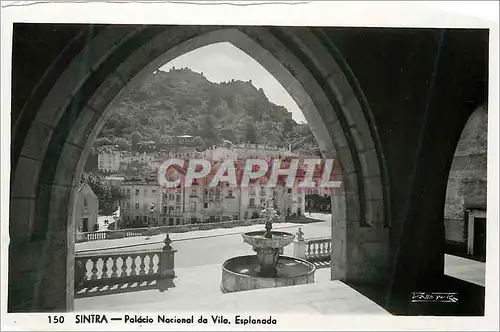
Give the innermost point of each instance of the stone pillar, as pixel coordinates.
(360, 252)
(299, 245)
(167, 266)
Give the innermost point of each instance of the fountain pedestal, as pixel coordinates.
(268, 259)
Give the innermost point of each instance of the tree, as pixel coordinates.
(122, 143)
(136, 138)
(102, 141)
(288, 125)
(250, 132)
(229, 134)
(107, 194)
(198, 141)
(208, 130)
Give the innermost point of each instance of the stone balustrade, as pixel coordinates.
(107, 270)
(130, 232)
(313, 250)
(318, 249)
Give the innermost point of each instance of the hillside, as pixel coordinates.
(180, 102)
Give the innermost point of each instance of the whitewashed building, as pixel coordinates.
(87, 209)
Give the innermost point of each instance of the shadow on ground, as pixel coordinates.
(124, 287)
(302, 220)
(471, 299)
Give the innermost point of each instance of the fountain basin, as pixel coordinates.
(242, 273)
(257, 239)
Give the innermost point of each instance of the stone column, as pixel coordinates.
(167, 266)
(299, 245)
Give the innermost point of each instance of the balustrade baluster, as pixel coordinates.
(133, 266)
(142, 266)
(157, 264)
(88, 269)
(104, 268)
(151, 264)
(114, 267)
(94, 270)
(125, 266)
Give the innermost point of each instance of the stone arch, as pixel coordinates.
(70, 116)
(466, 187)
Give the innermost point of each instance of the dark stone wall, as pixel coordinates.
(421, 86)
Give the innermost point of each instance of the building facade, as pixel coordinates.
(87, 208)
(141, 203)
(109, 159)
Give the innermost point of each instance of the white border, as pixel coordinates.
(448, 14)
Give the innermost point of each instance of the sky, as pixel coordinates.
(223, 62)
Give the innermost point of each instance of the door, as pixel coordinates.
(480, 239)
(85, 225)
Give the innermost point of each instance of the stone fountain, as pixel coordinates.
(268, 268)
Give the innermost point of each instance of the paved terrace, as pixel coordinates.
(198, 288)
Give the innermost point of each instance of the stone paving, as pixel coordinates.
(198, 288)
(465, 269)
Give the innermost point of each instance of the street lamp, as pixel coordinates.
(151, 211)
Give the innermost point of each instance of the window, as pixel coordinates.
(193, 206)
(252, 191)
(178, 198)
(262, 201)
(205, 205)
(252, 202)
(137, 192)
(194, 192)
(85, 201)
(171, 197)
(230, 192)
(164, 209)
(205, 192)
(145, 191)
(128, 205)
(153, 191)
(145, 205)
(289, 190)
(137, 206)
